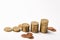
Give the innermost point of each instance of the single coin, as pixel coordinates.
(51, 29)
(16, 29)
(7, 29)
(29, 34)
(24, 35)
(31, 37)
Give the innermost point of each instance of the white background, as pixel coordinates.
(14, 12)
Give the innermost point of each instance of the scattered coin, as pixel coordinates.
(51, 29)
(28, 35)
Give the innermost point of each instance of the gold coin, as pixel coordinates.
(16, 29)
(7, 29)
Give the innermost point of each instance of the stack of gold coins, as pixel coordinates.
(25, 27)
(20, 26)
(34, 26)
(44, 25)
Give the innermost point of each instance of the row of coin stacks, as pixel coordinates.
(25, 27)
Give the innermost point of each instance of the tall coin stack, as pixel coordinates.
(44, 26)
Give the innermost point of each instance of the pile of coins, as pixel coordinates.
(25, 27)
(28, 35)
(34, 27)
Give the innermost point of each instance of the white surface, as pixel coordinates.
(14, 12)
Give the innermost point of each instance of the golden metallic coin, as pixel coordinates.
(16, 29)
(20, 26)
(7, 29)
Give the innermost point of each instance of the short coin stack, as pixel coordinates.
(25, 27)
